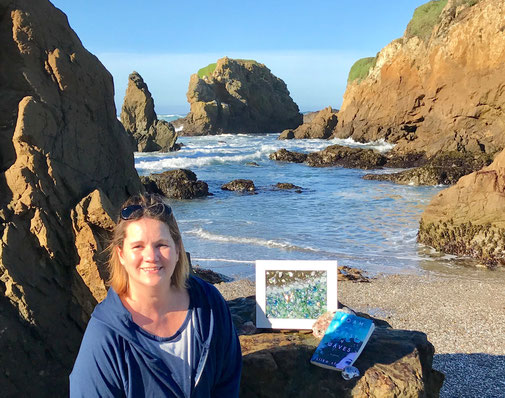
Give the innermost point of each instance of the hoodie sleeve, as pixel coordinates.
(96, 372)
(228, 354)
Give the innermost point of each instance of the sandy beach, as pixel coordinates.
(463, 317)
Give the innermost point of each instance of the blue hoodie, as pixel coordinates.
(112, 362)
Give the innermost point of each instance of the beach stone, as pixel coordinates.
(346, 273)
(147, 133)
(321, 126)
(239, 185)
(321, 324)
(338, 155)
(394, 363)
(439, 90)
(239, 96)
(468, 219)
(287, 186)
(209, 275)
(176, 184)
(67, 164)
(283, 155)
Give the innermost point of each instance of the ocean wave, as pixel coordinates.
(184, 163)
(201, 233)
(223, 260)
(379, 145)
(171, 115)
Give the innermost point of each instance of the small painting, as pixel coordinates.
(293, 294)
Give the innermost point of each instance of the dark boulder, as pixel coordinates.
(337, 155)
(176, 184)
(444, 169)
(239, 185)
(283, 155)
(394, 363)
(287, 186)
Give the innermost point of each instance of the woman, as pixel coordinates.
(158, 333)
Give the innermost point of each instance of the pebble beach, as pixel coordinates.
(464, 319)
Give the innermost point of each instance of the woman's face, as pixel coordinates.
(149, 254)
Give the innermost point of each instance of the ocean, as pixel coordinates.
(370, 225)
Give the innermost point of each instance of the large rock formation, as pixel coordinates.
(469, 217)
(394, 363)
(64, 157)
(140, 121)
(319, 126)
(238, 96)
(441, 87)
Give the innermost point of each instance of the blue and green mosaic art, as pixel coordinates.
(295, 294)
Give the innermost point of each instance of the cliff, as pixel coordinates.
(66, 165)
(238, 96)
(141, 122)
(439, 88)
(468, 219)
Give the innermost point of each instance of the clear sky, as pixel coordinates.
(311, 45)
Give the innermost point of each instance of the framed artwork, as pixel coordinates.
(292, 294)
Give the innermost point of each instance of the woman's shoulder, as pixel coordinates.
(202, 290)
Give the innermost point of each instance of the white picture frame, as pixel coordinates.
(292, 294)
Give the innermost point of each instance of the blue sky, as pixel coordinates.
(309, 45)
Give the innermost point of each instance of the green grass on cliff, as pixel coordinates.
(360, 69)
(207, 71)
(424, 19)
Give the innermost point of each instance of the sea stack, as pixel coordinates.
(141, 122)
(439, 88)
(238, 96)
(66, 167)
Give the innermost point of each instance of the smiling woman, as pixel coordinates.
(158, 332)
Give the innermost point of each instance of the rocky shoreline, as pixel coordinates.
(469, 349)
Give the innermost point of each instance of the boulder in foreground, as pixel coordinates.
(66, 165)
(394, 363)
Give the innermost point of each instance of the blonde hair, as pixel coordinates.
(118, 278)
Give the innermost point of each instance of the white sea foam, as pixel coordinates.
(223, 260)
(186, 162)
(179, 128)
(380, 145)
(201, 233)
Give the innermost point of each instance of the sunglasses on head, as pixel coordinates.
(133, 212)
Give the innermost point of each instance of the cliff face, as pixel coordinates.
(141, 122)
(469, 217)
(239, 96)
(443, 91)
(65, 159)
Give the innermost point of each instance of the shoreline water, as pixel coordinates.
(363, 224)
(462, 317)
